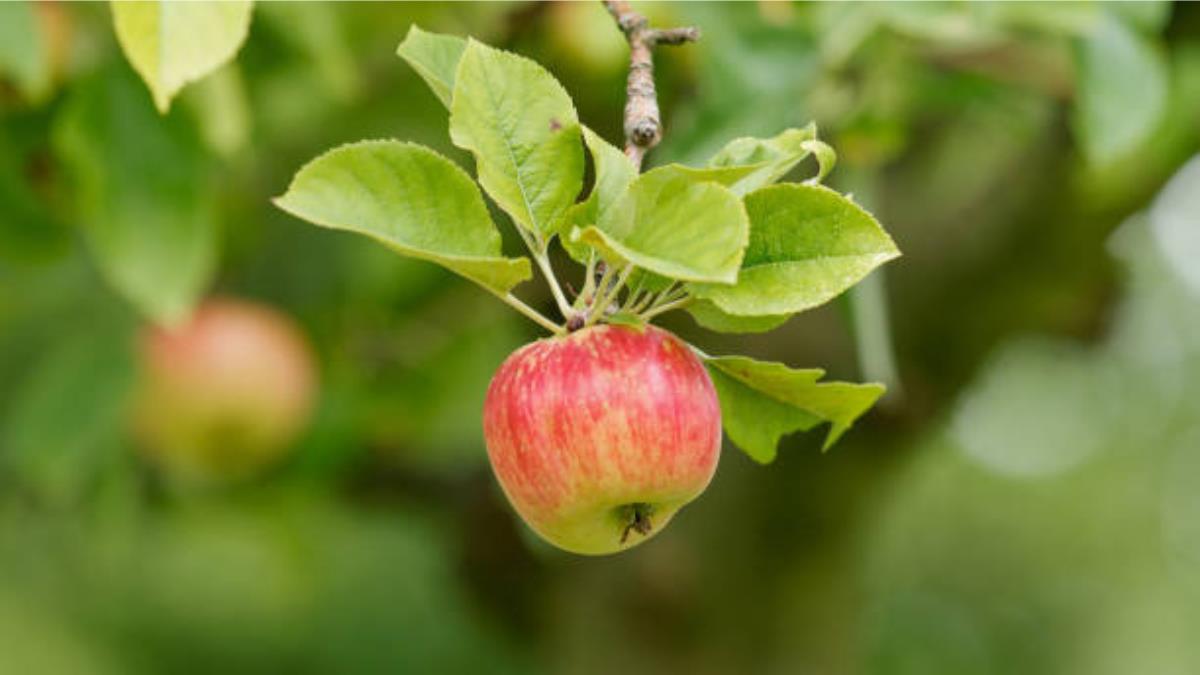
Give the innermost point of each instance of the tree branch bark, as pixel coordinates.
(643, 128)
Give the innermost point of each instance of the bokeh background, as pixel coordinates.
(1025, 500)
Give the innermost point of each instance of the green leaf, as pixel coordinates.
(614, 173)
(807, 245)
(1122, 90)
(826, 158)
(668, 223)
(173, 43)
(435, 58)
(626, 319)
(409, 198)
(761, 401)
(711, 317)
(142, 195)
(23, 50)
(766, 160)
(521, 126)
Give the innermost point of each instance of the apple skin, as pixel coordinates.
(224, 394)
(598, 437)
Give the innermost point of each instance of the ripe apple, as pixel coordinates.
(224, 394)
(600, 436)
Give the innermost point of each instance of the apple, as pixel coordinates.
(224, 394)
(599, 437)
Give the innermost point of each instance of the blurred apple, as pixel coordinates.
(223, 395)
(585, 35)
(599, 437)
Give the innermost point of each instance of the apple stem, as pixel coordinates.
(589, 283)
(528, 311)
(637, 518)
(607, 292)
(543, 262)
(538, 247)
(666, 307)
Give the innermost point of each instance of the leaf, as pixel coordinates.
(668, 223)
(749, 151)
(807, 245)
(627, 319)
(614, 173)
(521, 126)
(1122, 91)
(24, 54)
(435, 58)
(765, 161)
(173, 43)
(711, 317)
(825, 156)
(142, 191)
(761, 401)
(409, 198)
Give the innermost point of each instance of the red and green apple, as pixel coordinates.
(599, 437)
(224, 394)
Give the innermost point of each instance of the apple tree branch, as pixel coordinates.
(643, 128)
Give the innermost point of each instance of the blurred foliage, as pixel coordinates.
(1028, 505)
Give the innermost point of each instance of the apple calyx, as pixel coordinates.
(638, 518)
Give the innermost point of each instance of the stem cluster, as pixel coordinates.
(605, 292)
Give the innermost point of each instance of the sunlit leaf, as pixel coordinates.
(766, 160)
(435, 57)
(711, 317)
(521, 126)
(807, 245)
(668, 223)
(409, 198)
(762, 401)
(614, 173)
(173, 43)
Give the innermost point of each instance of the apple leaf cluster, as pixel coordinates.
(724, 241)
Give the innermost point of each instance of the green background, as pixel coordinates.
(1026, 499)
